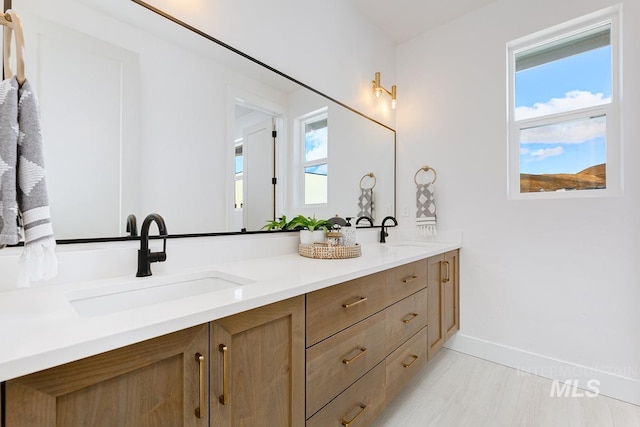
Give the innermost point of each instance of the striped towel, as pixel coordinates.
(8, 162)
(24, 204)
(38, 260)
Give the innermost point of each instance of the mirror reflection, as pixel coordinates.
(141, 115)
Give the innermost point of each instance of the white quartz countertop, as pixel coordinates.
(41, 329)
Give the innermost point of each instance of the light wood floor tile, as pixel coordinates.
(458, 390)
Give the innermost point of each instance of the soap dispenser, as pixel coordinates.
(348, 234)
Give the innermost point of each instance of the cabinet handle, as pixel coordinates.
(347, 423)
(448, 276)
(409, 317)
(414, 357)
(353, 359)
(409, 278)
(203, 381)
(351, 304)
(224, 398)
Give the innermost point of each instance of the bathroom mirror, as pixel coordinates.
(141, 115)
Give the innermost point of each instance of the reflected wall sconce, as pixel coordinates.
(378, 89)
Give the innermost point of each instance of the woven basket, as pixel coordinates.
(329, 252)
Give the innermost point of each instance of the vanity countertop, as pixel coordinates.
(41, 329)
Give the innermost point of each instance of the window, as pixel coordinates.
(239, 175)
(315, 162)
(563, 105)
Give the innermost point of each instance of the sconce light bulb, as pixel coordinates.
(378, 91)
(394, 103)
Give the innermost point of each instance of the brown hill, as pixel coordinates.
(591, 178)
(597, 170)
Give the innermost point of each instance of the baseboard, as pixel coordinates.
(592, 381)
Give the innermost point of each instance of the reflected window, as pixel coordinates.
(315, 164)
(239, 168)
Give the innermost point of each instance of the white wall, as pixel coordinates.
(327, 45)
(549, 286)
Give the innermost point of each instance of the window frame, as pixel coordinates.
(612, 110)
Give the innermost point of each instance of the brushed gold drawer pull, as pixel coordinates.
(347, 423)
(202, 381)
(224, 398)
(448, 276)
(362, 350)
(414, 357)
(409, 278)
(358, 301)
(409, 317)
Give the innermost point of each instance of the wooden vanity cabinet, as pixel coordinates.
(158, 382)
(333, 357)
(257, 367)
(357, 358)
(253, 362)
(443, 299)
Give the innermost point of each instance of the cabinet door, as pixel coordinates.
(451, 298)
(153, 383)
(434, 303)
(257, 367)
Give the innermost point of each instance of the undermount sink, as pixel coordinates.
(142, 292)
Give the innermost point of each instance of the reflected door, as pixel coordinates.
(258, 173)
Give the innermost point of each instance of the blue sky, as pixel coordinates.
(574, 82)
(316, 147)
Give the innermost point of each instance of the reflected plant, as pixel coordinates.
(277, 224)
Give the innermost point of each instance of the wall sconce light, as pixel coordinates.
(378, 89)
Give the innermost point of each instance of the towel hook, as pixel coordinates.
(12, 24)
(425, 169)
(369, 175)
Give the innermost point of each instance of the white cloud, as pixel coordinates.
(524, 151)
(316, 146)
(572, 100)
(546, 152)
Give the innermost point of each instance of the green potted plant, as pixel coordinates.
(312, 230)
(277, 224)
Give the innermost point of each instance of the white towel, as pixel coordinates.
(425, 210)
(38, 260)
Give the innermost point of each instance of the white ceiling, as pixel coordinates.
(402, 20)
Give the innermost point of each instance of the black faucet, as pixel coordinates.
(366, 218)
(132, 225)
(145, 256)
(383, 229)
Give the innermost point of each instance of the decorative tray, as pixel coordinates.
(329, 252)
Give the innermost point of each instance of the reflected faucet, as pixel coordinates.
(383, 229)
(132, 225)
(366, 218)
(145, 256)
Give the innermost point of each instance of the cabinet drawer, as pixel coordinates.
(405, 280)
(405, 318)
(337, 362)
(333, 309)
(404, 363)
(357, 406)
